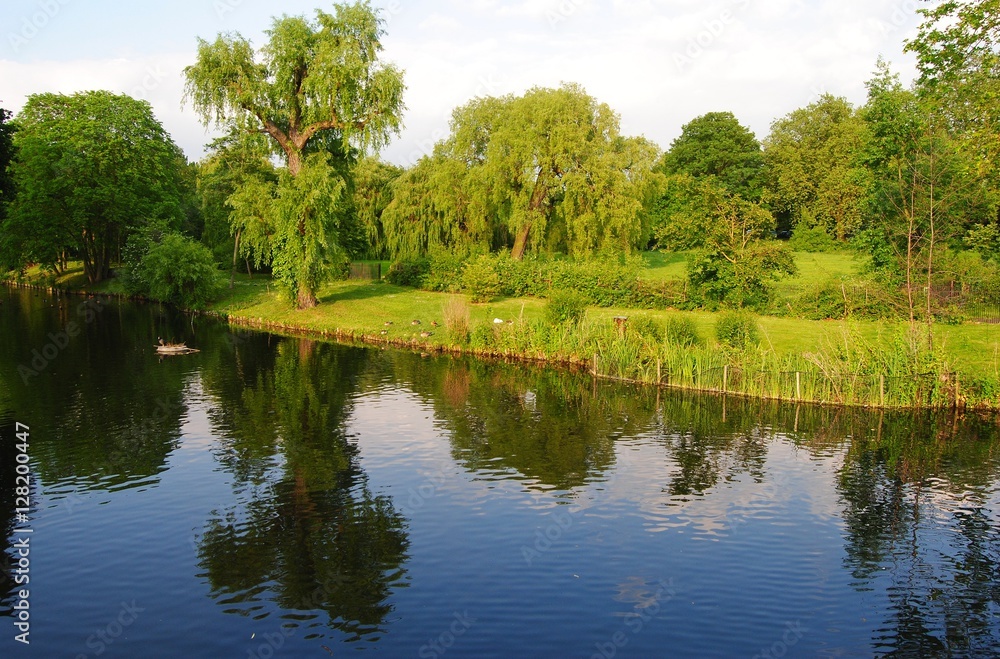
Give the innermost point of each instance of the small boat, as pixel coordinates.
(164, 348)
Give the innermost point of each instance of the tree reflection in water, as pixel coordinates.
(307, 533)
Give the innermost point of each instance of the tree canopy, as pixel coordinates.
(814, 173)
(88, 169)
(319, 90)
(548, 170)
(717, 145)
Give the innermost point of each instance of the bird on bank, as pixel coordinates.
(416, 322)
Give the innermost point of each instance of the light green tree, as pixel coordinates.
(318, 88)
(548, 171)
(814, 172)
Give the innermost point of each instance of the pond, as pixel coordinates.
(270, 497)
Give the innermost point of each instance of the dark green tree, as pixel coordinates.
(717, 145)
(6, 155)
(89, 169)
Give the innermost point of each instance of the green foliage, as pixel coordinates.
(226, 180)
(681, 331)
(174, 269)
(734, 263)
(565, 306)
(647, 328)
(480, 280)
(410, 272)
(6, 156)
(685, 206)
(372, 192)
(737, 329)
(546, 172)
(716, 145)
(319, 91)
(813, 168)
(445, 272)
(90, 168)
(811, 239)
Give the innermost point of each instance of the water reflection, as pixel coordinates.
(306, 532)
(904, 505)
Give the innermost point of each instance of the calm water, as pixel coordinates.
(273, 497)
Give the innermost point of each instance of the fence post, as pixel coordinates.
(725, 378)
(595, 364)
(659, 376)
(881, 389)
(798, 386)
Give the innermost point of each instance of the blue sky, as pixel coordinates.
(658, 63)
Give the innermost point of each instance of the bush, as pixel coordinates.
(737, 329)
(180, 271)
(408, 272)
(811, 239)
(480, 280)
(444, 272)
(647, 327)
(565, 306)
(681, 331)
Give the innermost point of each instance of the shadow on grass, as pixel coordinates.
(361, 290)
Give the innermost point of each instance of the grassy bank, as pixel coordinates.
(845, 362)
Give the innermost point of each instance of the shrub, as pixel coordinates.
(737, 329)
(480, 280)
(681, 331)
(647, 327)
(181, 271)
(444, 272)
(565, 306)
(811, 239)
(456, 320)
(408, 272)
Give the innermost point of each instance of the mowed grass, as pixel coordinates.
(363, 308)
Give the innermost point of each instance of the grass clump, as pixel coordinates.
(737, 329)
(457, 317)
(681, 331)
(565, 306)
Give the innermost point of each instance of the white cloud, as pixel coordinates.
(757, 59)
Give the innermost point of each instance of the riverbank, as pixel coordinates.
(835, 362)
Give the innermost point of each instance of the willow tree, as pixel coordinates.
(317, 89)
(548, 170)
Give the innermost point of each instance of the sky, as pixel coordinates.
(657, 63)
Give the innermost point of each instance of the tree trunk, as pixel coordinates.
(521, 243)
(306, 298)
(236, 249)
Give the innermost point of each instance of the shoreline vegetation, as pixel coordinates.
(874, 364)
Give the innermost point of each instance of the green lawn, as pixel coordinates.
(363, 308)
